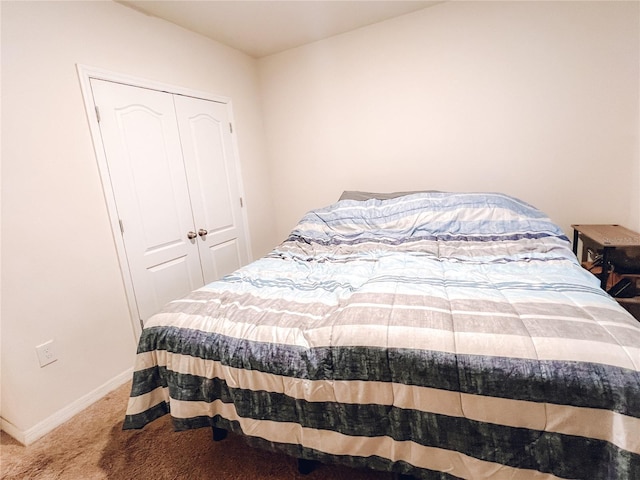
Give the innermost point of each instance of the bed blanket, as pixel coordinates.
(442, 335)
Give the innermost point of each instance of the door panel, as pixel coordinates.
(213, 181)
(167, 275)
(225, 257)
(206, 137)
(149, 171)
(146, 169)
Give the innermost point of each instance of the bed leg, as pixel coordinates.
(219, 434)
(306, 466)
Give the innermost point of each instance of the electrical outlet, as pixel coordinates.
(46, 353)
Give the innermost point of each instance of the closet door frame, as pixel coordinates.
(85, 74)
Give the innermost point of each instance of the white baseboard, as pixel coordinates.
(39, 430)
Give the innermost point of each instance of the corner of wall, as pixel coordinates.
(27, 437)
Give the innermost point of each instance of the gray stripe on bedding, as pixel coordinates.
(417, 312)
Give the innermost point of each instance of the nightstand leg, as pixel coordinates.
(604, 276)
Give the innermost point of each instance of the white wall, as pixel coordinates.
(60, 273)
(534, 99)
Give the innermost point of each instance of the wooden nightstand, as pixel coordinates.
(604, 240)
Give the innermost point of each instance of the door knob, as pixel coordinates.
(202, 232)
(191, 235)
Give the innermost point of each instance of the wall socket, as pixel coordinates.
(46, 353)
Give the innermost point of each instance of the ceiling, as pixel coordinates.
(261, 28)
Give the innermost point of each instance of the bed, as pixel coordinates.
(432, 334)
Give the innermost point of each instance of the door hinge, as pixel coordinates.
(98, 114)
(230, 127)
(141, 323)
(121, 226)
(241, 203)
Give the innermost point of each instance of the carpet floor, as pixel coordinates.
(92, 445)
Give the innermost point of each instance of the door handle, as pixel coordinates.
(191, 235)
(202, 232)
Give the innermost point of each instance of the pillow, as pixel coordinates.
(363, 196)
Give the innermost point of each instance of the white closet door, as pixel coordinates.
(146, 170)
(213, 182)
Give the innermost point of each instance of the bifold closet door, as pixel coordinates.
(147, 174)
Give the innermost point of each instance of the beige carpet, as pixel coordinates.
(92, 445)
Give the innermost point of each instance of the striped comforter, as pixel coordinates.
(441, 335)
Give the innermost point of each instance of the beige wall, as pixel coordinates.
(534, 99)
(60, 274)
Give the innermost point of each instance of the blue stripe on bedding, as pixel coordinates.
(416, 236)
(518, 379)
(352, 221)
(333, 286)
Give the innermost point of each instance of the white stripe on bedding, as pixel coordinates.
(455, 212)
(149, 400)
(574, 350)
